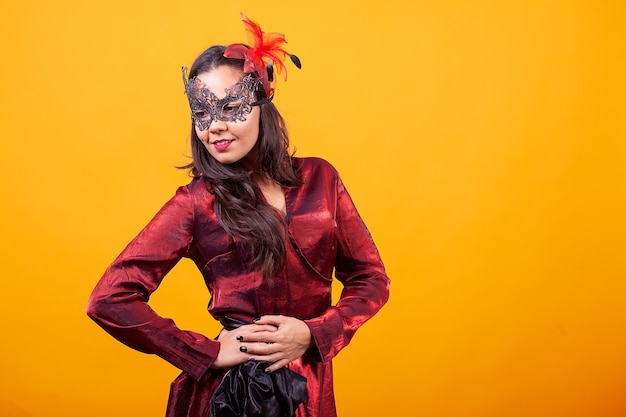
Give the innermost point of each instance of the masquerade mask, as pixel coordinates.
(235, 106)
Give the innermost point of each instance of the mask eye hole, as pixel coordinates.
(231, 109)
(201, 115)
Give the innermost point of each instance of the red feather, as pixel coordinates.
(264, 49)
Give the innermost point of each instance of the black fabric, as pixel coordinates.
(248, 391)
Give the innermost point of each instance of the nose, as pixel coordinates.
(217, 126)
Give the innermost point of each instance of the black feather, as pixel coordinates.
(295, 60)
(270, 72)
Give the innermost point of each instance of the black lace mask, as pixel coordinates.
(235, 106)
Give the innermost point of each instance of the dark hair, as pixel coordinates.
(239, 204)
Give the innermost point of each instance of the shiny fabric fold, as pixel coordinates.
(248, 391)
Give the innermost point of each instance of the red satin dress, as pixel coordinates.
(325, 233)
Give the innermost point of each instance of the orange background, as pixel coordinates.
(483, 142)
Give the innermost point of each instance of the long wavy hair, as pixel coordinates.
(239, 204)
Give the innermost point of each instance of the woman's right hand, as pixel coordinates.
(230, 355)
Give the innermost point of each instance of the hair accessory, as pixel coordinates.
(264, 53)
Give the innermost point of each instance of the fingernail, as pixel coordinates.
(267, 370)
(240, 338)
(243, 348)
(256, 319)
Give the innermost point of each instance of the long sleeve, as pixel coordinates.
(119, 302)
(366, 285)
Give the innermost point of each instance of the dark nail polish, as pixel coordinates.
(256, 319)
(240, 338)
(267, 370)
(243, 348)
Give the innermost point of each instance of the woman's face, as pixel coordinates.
(226, 140)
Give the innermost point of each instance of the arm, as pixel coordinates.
(119, 302)
(360, 269)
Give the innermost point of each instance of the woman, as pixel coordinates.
(266, 231)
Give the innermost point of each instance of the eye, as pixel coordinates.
(231, 108)
(200, 114)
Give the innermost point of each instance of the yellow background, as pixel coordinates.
(483, 142)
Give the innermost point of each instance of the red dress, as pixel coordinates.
(325, 233)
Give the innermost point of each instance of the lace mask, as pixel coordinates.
(235, 106)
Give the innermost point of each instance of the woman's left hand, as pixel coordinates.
(287, 342)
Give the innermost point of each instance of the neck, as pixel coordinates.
(262, 179)
(251, 161)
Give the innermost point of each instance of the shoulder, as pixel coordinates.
(194, 193)
(197, 188)
(196, 185)
(314, 166)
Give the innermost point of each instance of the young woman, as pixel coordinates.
(266, 231)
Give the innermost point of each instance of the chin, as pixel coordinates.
(227, 161)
